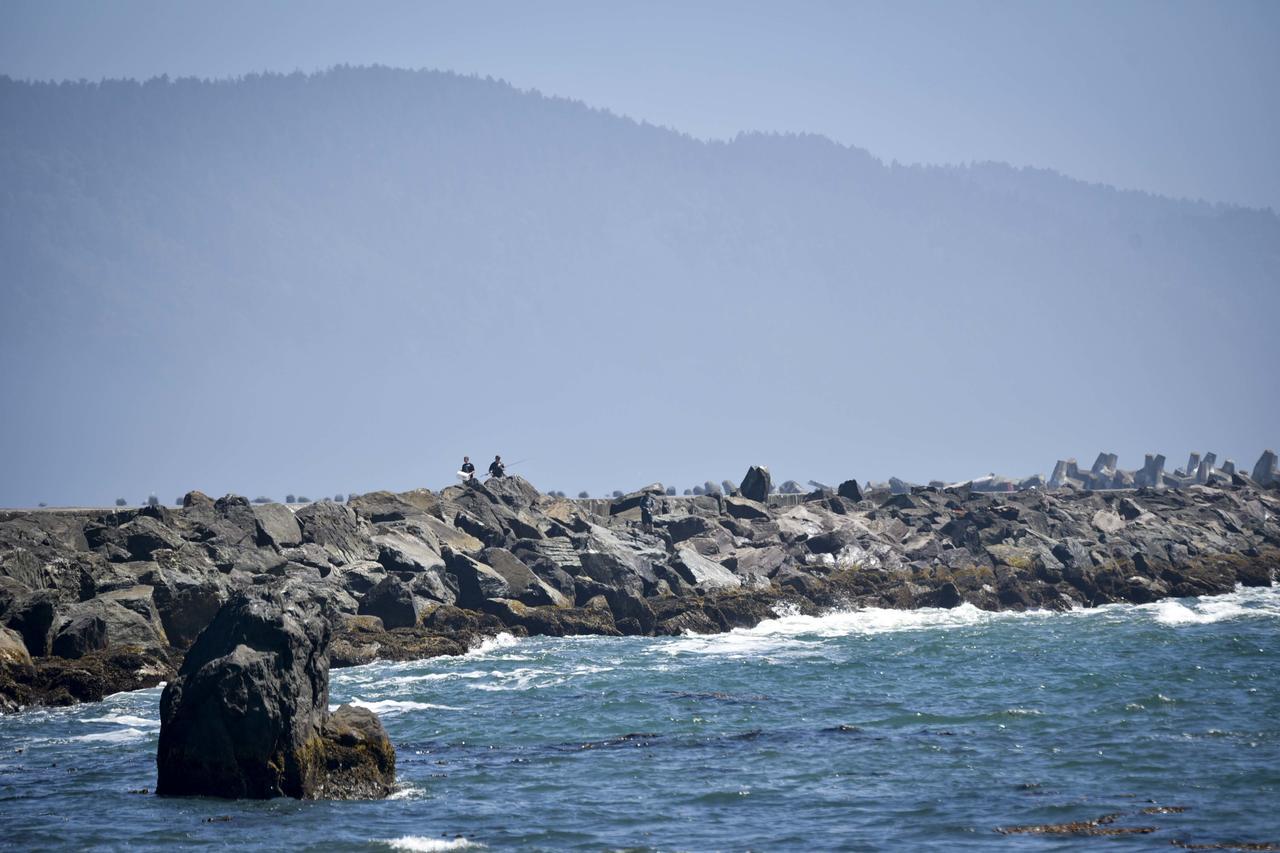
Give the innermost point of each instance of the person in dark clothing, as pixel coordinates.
(467, 468)
(496, 468)
(647, 504)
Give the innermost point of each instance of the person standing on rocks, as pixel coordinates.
(647, 504)
(467, 468)
(496, 468)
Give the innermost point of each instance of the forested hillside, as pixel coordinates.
(346, 281)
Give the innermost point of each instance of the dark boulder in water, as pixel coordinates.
(247, 715)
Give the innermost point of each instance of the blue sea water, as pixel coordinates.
(872, 729)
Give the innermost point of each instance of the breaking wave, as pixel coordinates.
(125, 720)
(492, 644)
(117, 736)
(1257, 602)
(390, 707)
(792, 631)
(419, 843)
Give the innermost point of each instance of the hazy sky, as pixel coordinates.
(1178, 98)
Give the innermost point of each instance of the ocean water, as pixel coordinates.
(864, 730)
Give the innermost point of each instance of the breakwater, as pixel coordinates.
(95, 602)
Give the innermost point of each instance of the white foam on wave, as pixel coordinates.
(117, 736)
(878, 620)
(407, 792)
(435, 676)
(1252, 602)
(420, 843)
(791, 631)
(794, 632)
(532, 678)
(125, 720)
(492, 644)
(391, 707)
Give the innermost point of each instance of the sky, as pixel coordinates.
(1175, 98)
(1178, 99)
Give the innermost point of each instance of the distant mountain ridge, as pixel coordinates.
(354, 253)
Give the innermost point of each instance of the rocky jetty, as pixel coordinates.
(247, 715)
(97, 601)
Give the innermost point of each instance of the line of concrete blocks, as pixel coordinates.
(1105, 474)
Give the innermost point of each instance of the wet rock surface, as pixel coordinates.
(101, 601)
(247, 715)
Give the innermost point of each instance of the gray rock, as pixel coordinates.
(522, 583)
(850, 490)
(187, 591)
(476, 581)
(32, 618)
(102, 623)
(682, 527)
(401, 551)
(1264, 471)
(1107, 521)
(1152, 474)
(276, 525)
(757, 484)
(392, 601)
(337, 529)
(13, 650)
(359, 578)
(384, 506)
(247, 715)
(746, 509)
(702, 573)
(137, 539)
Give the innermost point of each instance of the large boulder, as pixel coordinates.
(701, 573)
(402, 551)
(32, 617)
(248, 713)
(522, 583)
(850, 490)
(1265, 471)
(514, 491)
(746, 509)
(628, 506)
(16, 671)
(613, 558)
(337, 529)
(276, 525)
(412, 558)
(187, 590)
(391, 600)
(477, 582)
(384, 506)
(108, 622)
(757, 484)
(229, 521)
(13, 650)
(136, 539)
(682, 527)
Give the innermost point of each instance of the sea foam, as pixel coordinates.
(117, 736)
(1254, 602)
(391, 707)
(492, 644)
(791, 632)
(419, 843)
(124, 720)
